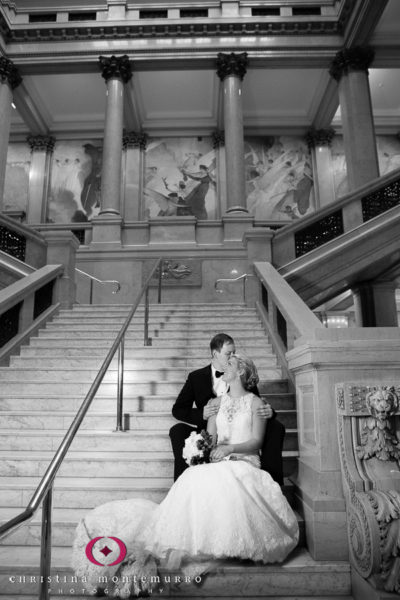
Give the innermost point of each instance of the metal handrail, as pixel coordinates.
(45, 488)
(92, 278)
(245, 276)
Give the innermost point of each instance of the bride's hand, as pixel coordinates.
(220, 452)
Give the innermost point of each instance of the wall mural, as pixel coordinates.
(180, 178)
(388, 147)
(74, 182)
(17, 177)
(279, 182)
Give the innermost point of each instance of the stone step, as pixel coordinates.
(84, 464)
(131, 404)
(73, 492)
(202, 336)
(64, 522)
(132, 373)
(57, 346)
(298, 576)
(55, 362)
(193, 346)
(58, 419)
(135, 441)
(155, 319)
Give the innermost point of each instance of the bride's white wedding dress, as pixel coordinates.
(228, 509)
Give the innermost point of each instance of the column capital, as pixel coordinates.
(358, 58)
(115, 66)
(134, 139)
(9, 73)
(319, 137)
(41, 142)
(232, 64)
(218, 138)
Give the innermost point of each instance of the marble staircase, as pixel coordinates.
(40, 392)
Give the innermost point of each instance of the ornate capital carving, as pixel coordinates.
(358, 58)
(134, 139)
(218, 138)
(232, 64)
(320, 137)
(41, 142)
(9, 73)
(115, 66)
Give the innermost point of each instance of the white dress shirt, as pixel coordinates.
(219, 385)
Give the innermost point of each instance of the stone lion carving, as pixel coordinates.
(377, 437)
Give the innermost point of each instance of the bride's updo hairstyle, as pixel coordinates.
(248, 371)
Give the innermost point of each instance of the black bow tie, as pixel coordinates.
(219, 373)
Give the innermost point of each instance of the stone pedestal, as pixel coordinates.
(61, 249)
(350, 69)
(258, 244)
(41, 147)
(106, 230)
(324, 358)
(231, 70)
(235, 225)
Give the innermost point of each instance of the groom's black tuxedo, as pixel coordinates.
(193, 397)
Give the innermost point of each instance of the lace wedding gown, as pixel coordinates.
(228, 509)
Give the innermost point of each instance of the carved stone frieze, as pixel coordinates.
(9, 73)
(358, 58)
(134, 139)
(177, 272)
(115, 66)
(41, 142)
(367, 414)
(320, 137)
(232, 64)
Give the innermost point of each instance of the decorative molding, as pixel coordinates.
(115, 66)
(41, 142)
(134, 139)
(320, 137)
(346, 60)
(9, 73)
(232, 64)
(218, 138)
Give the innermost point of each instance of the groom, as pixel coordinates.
(192, 406)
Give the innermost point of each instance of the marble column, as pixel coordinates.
(375, 304)
(116, 71)
(350, 69)
(42, 147)
(319, 143)
(231, 69)
(9, 80)
(218, 138)
(134, 145)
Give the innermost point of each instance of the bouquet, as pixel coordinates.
(197, 448)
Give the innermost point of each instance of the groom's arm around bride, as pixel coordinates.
(192, 408)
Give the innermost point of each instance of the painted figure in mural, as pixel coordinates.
(90, 195)
(195, 200)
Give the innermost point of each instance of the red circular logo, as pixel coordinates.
(105, 551)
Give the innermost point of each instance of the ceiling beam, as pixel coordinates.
(363, 21)
(29, 112)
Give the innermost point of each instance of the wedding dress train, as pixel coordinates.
(227, 509)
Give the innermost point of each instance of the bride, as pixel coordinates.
(228, 508)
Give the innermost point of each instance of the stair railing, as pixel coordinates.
(101, 281)
(243, 278)
(44, 491)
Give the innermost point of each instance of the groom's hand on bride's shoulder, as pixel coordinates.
(265, 411)
(211, 408)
